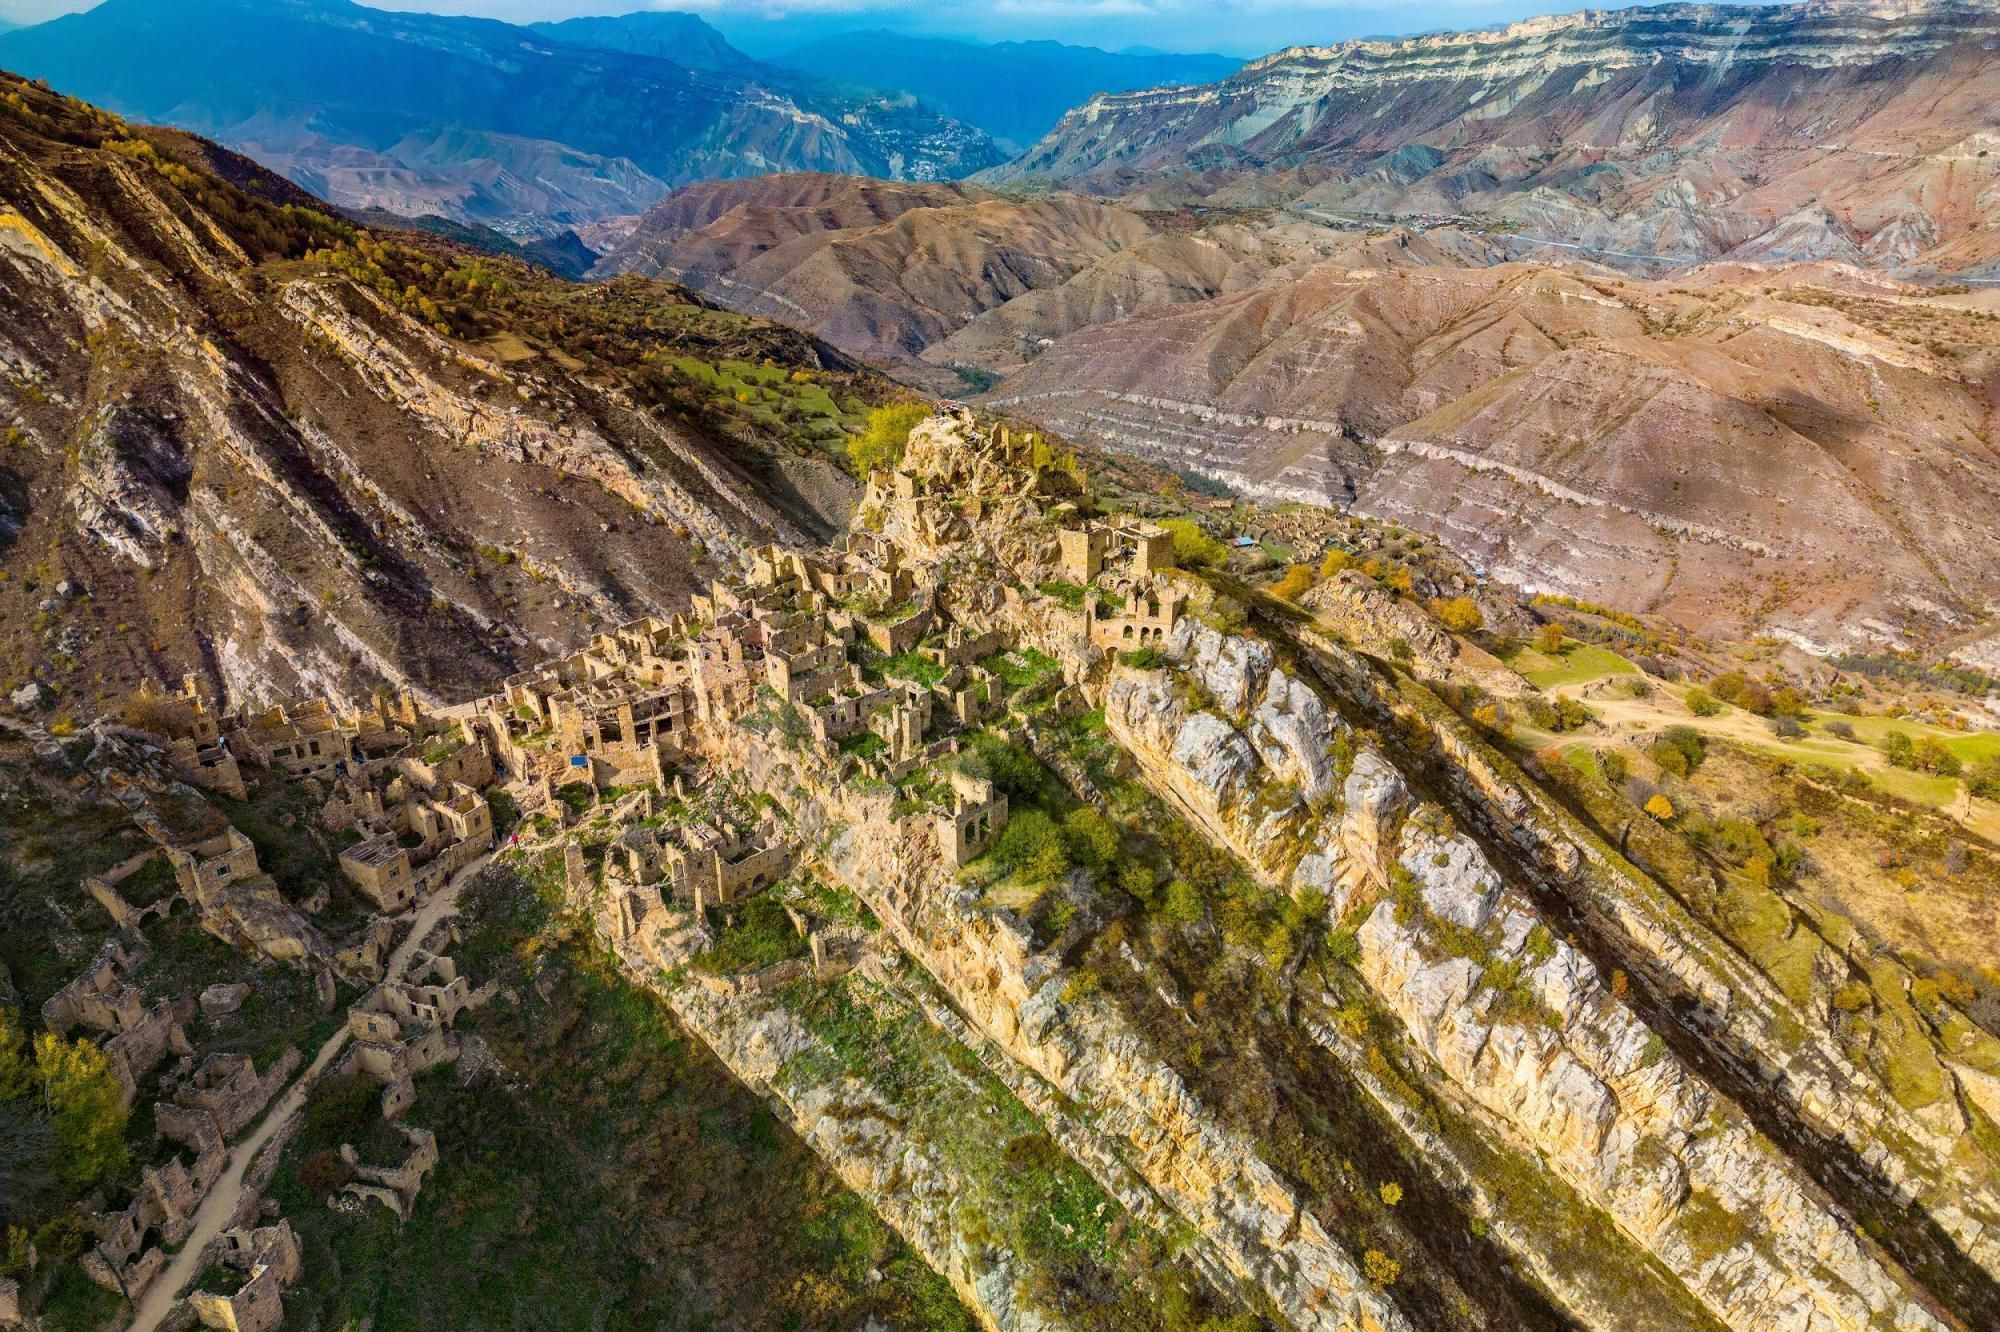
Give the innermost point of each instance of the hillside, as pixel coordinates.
(477, 120)
(1706, 446)
(250, 441)
(1015, 91)
(1646, 138)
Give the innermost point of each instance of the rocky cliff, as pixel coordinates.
(1664, 135)
(1519, 1020)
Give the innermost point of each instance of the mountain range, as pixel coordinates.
(1015, 91)
(472, 119)
(1599, 300)
(1646, 138)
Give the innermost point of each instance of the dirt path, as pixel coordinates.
(218, 1209)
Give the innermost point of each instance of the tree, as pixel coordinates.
(882, 443)
(1382, 1270)
(1392, 1193)
(1549, 638)
(1933, 757)
(1660, 807)
(86, 1107)
(1461, 615)
(1900, 750)
(1033, 846)
(1298, 581)
(1194, 548)
(1702, 703)
(1180, 904)
(1092, 839)
(1983, 780)
(1336, 560)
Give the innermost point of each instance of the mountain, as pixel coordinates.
(469, 118)
(685, 39)
(1015, 91)
(1544, 424)
(250, 441)
(1647, 138)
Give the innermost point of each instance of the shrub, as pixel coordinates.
(1336, 560)
(1549, 638)
(1702, 703)
(1382, 1270)
(1841, 729)
(1611, 762)
(1461, 615)
(1180, 904)
(1786, 727)
(1931, 756)
(1391, 1193)
(1983, 780)
(1660, 807)
(1092, 839)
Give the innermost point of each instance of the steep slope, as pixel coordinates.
(881, 269)
(251, 442)
(1808, 462)
(1015, 91)
(1838, 129)
(483, 119)
(663, 34)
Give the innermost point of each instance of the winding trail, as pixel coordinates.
(218, 1208)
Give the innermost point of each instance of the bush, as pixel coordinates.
(1900, 750)
(1092, 839)
(1382, 1270)
(1841, 729)
(1660, 807)
(1180, 904)
(1983, 780)
(1461, 615)
(1702, 703)
(1335, 561)
(1549, 638)
(1932, 757)
(1786, 727)
(1611, 762)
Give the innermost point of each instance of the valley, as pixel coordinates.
(643, 688)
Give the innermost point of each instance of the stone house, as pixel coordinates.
(402, 1028)
(271, 1258)
(1135, 548)
(229, 1089)
(977, 816)
(1144, 614)
(138, 1035)
(395, 1187)
(381, 871)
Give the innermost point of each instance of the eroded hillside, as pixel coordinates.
(250, 441)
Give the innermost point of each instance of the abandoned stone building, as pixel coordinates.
(269, 1257)
(394, 1186)
(402, 1028)
(706, 863)
(416, 843)
(137, 1035)
(1135, 549)
(1128, 614)
(976, 817)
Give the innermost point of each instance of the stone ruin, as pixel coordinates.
(269, 1258)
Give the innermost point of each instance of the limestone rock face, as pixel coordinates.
(1522, 1023)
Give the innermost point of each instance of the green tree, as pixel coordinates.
(1180, 904)
(1033, 846)
(1093, 839)
(1702, 703)
(882, 443)
(1900, 749)
(1933, 757)
(86, 1107)
(1549, 638)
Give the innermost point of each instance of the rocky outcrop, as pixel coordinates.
(1515, 1018)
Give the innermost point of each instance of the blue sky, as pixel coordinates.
(1236, 27)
